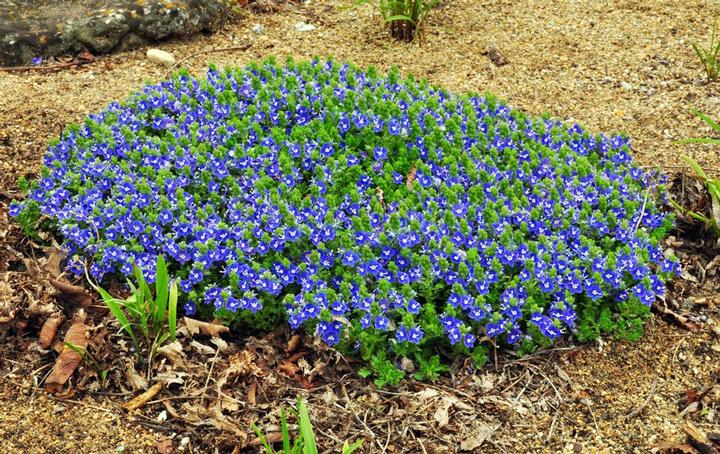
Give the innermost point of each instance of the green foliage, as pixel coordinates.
(149, 316)
(305, 441)
(711, 222)
(710, 56)
(404, 17)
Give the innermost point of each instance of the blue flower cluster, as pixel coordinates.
(366, 205)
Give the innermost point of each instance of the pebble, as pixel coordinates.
(304, 27)
(160, 57)
(626, 86)
(258, 29)
(184, 441)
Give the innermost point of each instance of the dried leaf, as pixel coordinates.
(294, 343)
(252, 393)
(427, 393)
(202, 348)
(208, 329)
(69, 359)
(135, 380)
(143, 398)
(482, 432)
(174, 352)
(288, 368)
(441, 414)
(171, 377)
(698, 439)
(165, 446)
(410, 178)
(272, 437)
(49, 330)
(670, 446)
(243, 363)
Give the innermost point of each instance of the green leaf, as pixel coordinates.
(398, 17)
(172, 310)
(116, 310)
(349, 449)
(161, 291)
(263, 440)
(707, 120)
(285, 432)
(706, 140)
(306, 430)
(695, 166)
(142, 285)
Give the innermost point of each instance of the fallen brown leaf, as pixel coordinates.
(670, 446)
(410, 178)
(143, 398)
(69, 359)
(165, 446)
(251, 393)
(288, 368)
(208, 329)
(243, 363)
(699, 439)
(135, 380)
(49, 330)
(174, 352)
(482, 432)
(294, 343)
(272, 437)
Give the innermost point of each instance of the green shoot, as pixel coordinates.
(305, 441)
(403, 17)
(710, 56)
(149, 317)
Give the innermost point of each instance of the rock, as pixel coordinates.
(495, 56)
(160, 57)
(304, 27)
(28, 31)
(626, 86)
(258, 29)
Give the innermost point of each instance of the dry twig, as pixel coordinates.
(209, 51)
(645, 403)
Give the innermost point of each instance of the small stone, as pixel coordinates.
(626, 86)
(162, 417)
(304, 27)
(184, 441)
(160, 57)
(258, 29)
(120, 448)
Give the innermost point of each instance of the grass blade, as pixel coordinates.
(172, 309)
(263, 440)
(700, 140)
(116, 310)
(398, 17)
(306, 430)
(161, 292)
(695, 166)
(285, 432)
(707, 120)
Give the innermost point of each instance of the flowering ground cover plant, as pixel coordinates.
(392, 219)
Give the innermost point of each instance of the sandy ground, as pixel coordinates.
(623, 65)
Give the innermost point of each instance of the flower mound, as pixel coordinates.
(386, 216)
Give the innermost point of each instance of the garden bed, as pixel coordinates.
(598, 67)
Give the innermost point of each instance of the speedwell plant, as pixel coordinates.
(393, 219)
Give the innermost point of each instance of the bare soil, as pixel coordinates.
(622, 65)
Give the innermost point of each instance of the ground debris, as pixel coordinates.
(75, 342)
